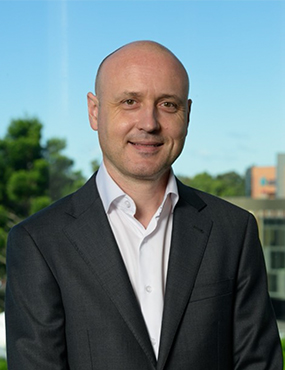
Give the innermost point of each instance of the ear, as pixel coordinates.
(189, 104)
(93, 103)
(189, 110)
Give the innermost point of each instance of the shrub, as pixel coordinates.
(3, 364)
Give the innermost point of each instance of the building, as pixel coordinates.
(260, 182)
(270, 216)
(265, 199)
(266, 182)
(280, 174)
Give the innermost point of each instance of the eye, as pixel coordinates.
(169, 106)
(129, 102)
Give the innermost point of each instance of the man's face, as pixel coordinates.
(141, 113)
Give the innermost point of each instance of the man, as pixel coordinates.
(136, 271)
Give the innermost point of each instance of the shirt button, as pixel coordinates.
(148, 289)
(127, 203)
(153, 341)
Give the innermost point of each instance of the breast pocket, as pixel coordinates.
(207, 291)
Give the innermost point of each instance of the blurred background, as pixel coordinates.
(234, 52)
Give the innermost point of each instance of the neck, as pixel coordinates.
(147, 198)
(147, 194)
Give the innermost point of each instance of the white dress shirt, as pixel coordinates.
(145, 251)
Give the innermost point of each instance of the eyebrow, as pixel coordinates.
(136, 94)
(171, 96)
(132, 93)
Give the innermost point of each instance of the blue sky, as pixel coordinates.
(234, 52)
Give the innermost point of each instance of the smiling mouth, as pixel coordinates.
(154, 145)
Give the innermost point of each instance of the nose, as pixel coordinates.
(148, 119)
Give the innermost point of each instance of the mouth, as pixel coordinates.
(145, 144)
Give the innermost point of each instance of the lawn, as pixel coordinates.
(3, 365)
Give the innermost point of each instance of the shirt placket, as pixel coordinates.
(151, 290)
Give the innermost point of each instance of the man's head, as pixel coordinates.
(141, 45)
(141, 110)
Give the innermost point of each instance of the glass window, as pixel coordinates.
(277, 260)
(272, 282)
(274, 233)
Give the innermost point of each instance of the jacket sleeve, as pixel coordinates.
(34, 311)
(256, 342)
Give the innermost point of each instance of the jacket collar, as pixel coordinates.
(92, 237)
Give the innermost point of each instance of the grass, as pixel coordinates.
(283, 349)
(3, 364)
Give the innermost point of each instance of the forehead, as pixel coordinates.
(143, 68)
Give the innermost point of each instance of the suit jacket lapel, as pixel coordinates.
(91, 235)
(190, 234)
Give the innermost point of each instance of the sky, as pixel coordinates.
(234, 52)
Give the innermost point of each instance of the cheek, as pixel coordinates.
(174, 126)
(118, 124)
(178, 141)
(178, 134)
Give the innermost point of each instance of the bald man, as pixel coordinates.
(136, 271)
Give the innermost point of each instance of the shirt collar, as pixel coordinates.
(109, 191)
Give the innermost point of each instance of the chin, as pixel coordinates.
(145, 173)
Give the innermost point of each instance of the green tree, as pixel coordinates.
(95, 165)
(32, 175)
(232, 184)
(3, 364)
(22, 143)
(203, 181)
(228, 184)
(62, 179)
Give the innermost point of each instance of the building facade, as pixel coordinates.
(270, 216)
(260, 182)
(280, 176)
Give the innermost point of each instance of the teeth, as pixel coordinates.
(147, 144)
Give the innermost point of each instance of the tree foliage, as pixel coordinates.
(32, 175)
(226, 185)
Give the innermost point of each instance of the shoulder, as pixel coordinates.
(216, 208)
(62, 211)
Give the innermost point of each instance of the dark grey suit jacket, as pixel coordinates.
(70, 304)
